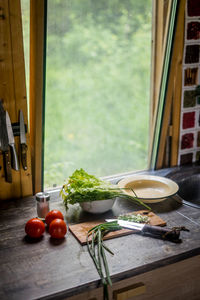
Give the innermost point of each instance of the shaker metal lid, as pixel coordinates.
(42, 197)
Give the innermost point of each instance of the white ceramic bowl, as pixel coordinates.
(98, 207)
(149, 188)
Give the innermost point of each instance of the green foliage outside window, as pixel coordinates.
(97, 87)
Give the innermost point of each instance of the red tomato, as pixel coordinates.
(57, 229)
(52, 215)
(34, 228)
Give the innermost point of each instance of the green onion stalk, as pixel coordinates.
(96, 248)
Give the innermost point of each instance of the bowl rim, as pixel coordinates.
(151, 178)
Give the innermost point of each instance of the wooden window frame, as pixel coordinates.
(161, 15)
(167, 146)
(38, 10)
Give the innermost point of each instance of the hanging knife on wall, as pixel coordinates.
(23, 140)
(4, 145)
(11, 142)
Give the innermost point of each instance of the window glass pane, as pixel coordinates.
(97, 87)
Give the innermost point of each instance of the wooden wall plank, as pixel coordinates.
(157, 46)
(7, 190)
(20, 87)
(176, 107)
(12, 72)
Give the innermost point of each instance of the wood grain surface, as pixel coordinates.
(50, 269)
(13, 93)
(80, 230)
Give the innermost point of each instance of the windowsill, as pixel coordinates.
(114, 179)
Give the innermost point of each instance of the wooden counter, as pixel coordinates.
(142, 267)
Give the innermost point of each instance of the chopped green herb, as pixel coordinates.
(138, 218)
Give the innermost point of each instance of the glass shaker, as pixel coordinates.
(42, 200)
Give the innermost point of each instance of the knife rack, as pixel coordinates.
(13, 94)
(16, 130)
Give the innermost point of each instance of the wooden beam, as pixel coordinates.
(176, 105)
(20, 87)
(176, 112)
(157, 46)
(36, 89)
(13, 91)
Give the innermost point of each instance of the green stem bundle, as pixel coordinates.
(96, 249)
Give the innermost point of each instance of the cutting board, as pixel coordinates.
(80, 230)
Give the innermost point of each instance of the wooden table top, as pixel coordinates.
(53, 270)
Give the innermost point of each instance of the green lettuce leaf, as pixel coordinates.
(83, 187)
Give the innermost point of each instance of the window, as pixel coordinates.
(109, 64)
(97, 87)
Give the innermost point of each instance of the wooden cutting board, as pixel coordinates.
(80, 230)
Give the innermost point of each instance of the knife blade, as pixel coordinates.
(5, 145)
(11, 142)
(23, 145)
(155, 231)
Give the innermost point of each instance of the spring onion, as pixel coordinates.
(96, 249)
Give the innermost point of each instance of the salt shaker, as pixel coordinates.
(42, 200)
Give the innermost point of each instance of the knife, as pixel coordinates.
(11, 142)
(23, 140)
(5, 145)
(156, 231)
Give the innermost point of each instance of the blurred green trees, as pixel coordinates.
(97, 87)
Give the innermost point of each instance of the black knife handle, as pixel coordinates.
(7, 167)
(14, 159)
(161, 232)
(24, 156)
